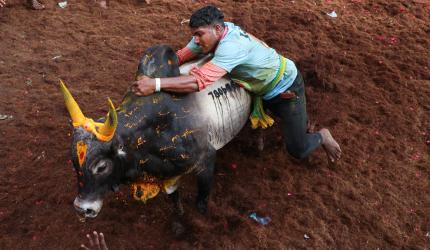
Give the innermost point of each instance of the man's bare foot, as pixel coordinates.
(103, 4)
(36, 5)
(330, 145)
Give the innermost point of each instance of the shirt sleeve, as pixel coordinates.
(185, 55)
(207, 74)
(228, 55)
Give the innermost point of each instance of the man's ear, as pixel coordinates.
(219, 29)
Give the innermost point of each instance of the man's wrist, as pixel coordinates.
(157, 85)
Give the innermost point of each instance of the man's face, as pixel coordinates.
(207, 37)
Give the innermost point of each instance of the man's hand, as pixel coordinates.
(96, 243)
(144, 86)
(2, 3)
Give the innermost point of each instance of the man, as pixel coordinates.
(36, 5)
(104, 3)
(274, 80)
(33, 3)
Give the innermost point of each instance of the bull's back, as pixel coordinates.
(223, 105)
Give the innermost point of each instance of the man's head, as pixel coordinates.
(207, 27)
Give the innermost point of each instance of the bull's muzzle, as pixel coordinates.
(89, 209)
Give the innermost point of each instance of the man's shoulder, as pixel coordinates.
(233, 30)
(237, 35)
(228, 47)
(232, 44)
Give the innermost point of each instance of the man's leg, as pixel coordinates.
(291, 108)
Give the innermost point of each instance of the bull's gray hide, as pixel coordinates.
(225, 111)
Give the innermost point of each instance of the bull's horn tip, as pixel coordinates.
(111, 103)
(62, 84)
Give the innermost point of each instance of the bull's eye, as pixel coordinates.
(100, 167)
(103, 167)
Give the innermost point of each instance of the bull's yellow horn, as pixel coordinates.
(107, 130)
(76, 114)
(103, 131)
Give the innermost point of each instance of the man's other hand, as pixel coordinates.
(97, 242)
(143, 87)
(2, 3)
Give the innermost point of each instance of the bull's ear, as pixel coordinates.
(75, 112)
(118, 148)
(107, 130)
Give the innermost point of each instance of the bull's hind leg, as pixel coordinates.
(204, 182)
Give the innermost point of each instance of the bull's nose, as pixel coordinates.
(78, 208)
(86, 212)
(90, 213)
(88, 208)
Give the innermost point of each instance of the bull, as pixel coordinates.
(150, 142)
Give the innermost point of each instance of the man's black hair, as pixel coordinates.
(207, 15)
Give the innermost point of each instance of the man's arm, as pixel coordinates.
(184, 55)
(180, 84)
(198, 79)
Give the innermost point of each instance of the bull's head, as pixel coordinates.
(94, 156)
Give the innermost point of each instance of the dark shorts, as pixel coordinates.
(290, 107)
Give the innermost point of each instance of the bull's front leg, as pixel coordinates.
(175, 197)
(178, 228)
(204, 182)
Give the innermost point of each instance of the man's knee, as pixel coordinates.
(297, 151)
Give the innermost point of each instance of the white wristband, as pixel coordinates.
(157, 84)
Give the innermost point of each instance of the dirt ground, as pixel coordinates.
(367, 79)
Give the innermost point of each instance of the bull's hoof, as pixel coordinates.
(178, 229)
(202, 206)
